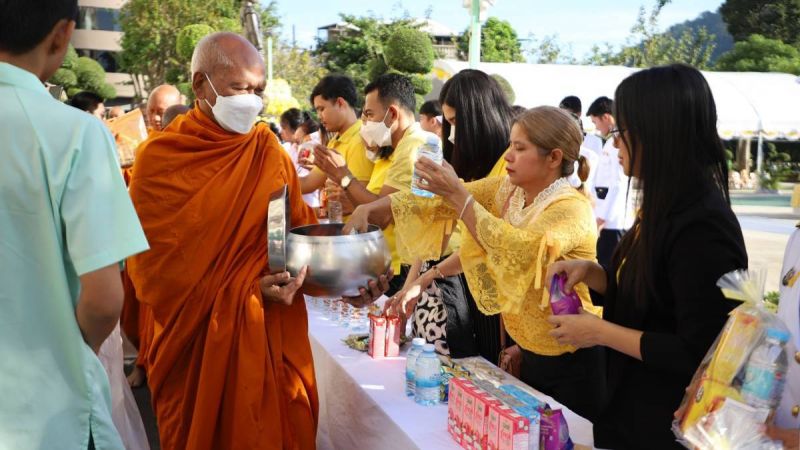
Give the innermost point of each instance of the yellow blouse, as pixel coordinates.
(505, 266)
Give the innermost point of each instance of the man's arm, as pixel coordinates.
(314, 181)
(99, 304)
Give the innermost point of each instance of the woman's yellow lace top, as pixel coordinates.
(506, 265)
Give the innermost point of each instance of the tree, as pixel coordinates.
(499, 42)
(188, 38)
(648, 47)
(761, 54)
(409, 50)
(151, 27)
(359, 52)
(547, 50)
(78, 74)
(300, 68)
(774, 19)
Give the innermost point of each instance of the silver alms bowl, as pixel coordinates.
(337, 264)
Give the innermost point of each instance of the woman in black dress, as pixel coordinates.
(662, 308)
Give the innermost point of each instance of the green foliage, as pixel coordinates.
(377, 67)
(78, 74)
(358, 51)
(422, 83)
(409, 50)
(776, 168)
(511, 96)
(420, 99)
(300, 68)
(761, 54)
(648, 47)
(64, 77)
(772, 300)
(547, 50)
(70, 58)
(774, 19)
(499, 42)
(188, 38)
(151, 28)
(714, 25)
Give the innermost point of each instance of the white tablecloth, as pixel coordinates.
(363, 403)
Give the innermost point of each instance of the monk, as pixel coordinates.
(161, 98)
(230, 363)
(135, 319)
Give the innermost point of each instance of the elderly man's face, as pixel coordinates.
(157, 105)
(232, 81)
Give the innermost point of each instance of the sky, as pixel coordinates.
(579, 24)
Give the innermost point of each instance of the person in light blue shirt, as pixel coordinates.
(66, 223)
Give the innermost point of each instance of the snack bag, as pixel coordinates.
(377, 337)
(740, 380)
(554, 433)
(560, 302)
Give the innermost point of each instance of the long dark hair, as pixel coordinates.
(483, 123)
(670, 118)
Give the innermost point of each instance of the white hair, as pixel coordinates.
(208, 56)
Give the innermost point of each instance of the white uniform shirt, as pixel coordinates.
(312, 198)
(593, 142)
(788, 413)
(593, 159)
(617, 207)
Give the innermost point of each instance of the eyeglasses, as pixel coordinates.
(615, 133)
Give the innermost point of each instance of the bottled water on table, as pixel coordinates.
(765, 373)
(427, 377)
(344, 314)
(431, 149)
(359, 321)
(411, 361)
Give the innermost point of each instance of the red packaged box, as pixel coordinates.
(512, 429)
(454, 407)
(393, 332)
(471, 395)
(480, 419)
(377, 337)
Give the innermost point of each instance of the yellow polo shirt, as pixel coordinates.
(351, 147)
(396, 172)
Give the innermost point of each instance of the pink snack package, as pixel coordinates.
(560, 302)
(377, 337)
(393, 336)
(480, 419)
(554, 431)
(470, 396)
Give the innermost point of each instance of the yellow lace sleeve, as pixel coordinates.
(506, 265)
(421, 224)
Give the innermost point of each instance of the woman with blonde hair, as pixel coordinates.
(515, 227)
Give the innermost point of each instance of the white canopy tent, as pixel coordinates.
(748, 104)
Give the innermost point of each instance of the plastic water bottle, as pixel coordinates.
(765, 374)
(411, 361)
(431, 149)
(427, 377)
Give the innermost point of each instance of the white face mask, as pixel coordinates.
(236, 113)
(452, 137)
(376, 134)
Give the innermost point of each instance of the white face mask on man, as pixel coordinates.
(235, 113)
(376, 134)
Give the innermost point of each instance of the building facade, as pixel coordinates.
(97, 35)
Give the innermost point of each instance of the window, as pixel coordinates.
(103, 19)
(106, 59)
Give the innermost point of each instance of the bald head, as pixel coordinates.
(171, 113)
(160, 99)
(115, 112)
(225, 64)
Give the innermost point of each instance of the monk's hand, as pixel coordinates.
(372, 292)
(282, 287)
(330, 162)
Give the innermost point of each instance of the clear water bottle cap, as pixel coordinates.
(778, 334)
(428, 348)
(418, 342)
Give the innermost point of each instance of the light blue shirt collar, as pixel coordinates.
(15, 76)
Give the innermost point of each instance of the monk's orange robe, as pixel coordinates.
(226, 370)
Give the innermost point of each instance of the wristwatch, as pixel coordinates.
(345, 183)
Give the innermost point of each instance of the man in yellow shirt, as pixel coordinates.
(334, 99)
(392, 136)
